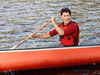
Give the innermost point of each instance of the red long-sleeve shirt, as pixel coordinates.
(71, 30)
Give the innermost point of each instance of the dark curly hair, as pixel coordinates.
(65, 10)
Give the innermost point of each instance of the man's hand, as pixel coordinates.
(53, 19)
(32, 35)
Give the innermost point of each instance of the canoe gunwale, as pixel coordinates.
(45, 48)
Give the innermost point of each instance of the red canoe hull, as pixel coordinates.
(48, 58)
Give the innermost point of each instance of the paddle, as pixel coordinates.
(29, 36)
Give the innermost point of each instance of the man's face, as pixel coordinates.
(65, 17)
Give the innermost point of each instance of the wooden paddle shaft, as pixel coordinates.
(33, 33)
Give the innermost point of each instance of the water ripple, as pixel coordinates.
(20, 18)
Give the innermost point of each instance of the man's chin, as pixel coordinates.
(67, 21)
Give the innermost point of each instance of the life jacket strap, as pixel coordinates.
(76, 38)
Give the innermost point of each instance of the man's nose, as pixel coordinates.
(66, 17)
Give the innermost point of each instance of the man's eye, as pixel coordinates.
(64, 15)
(68, 15)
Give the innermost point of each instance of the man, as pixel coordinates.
(68, 30)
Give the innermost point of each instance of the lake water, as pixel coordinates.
(20, 18)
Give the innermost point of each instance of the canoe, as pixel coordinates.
(42, 58)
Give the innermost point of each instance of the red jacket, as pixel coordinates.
(71, 34)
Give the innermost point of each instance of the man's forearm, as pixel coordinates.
(58, 29)
(45, 35)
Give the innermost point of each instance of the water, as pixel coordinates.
(20, 18)
(76, 70)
